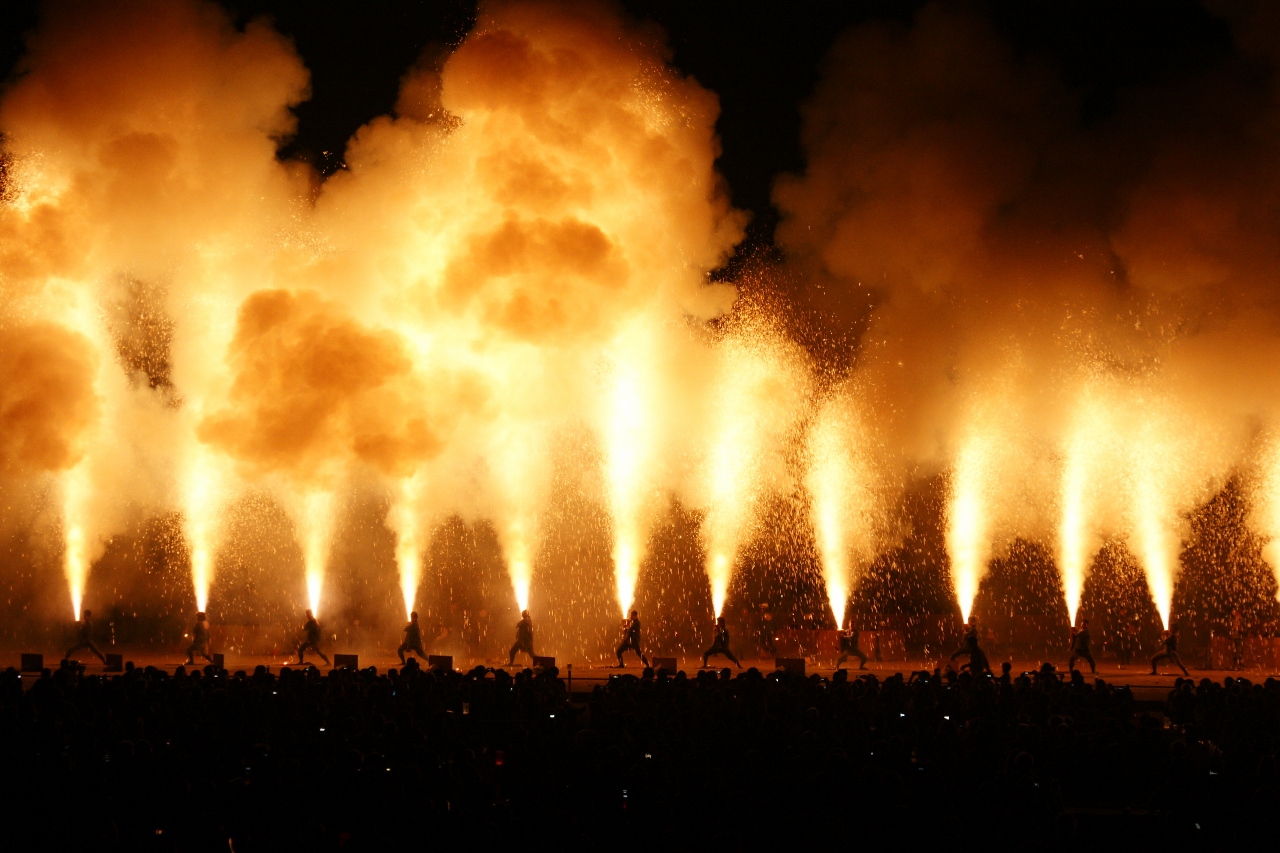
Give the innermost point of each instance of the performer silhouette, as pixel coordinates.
(199, 640)
(721, 644)
(849, 648)
(631, 639)
(1080, 648)
(977, 657)
(1170, 652)
(412, 639)
(311, 640)
(524, 638)
(84, 638)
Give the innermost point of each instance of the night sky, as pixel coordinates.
(762, 59)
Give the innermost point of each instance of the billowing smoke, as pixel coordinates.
(1072, 319)
(502, 306)
(312, 386)
(515, 255)
(47, 399)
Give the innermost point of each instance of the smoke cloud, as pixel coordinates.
(502, 305)
(1014, 263)
(47, 398)
(530, 231)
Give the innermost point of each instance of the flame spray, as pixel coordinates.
(629, 457)
(518, 452)
(1154, 541)
(519, 566)
(968, 534)
(201, 500)
(734, 489)
(75, 560)
(839, 484)
(761, 390)
(306, 325)
(85, 500)
(1091, 460)
(314, 519)
(405, 518)
(1161, 452)
(1074, 551)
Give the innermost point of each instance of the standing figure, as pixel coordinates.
(199, 640)
(84, 638)
(311, 639)
(412, 639)
(524, 638)
(1080, 648)
(969, 645)
(721, 644)
(969, 648)
(849, 648)
(631, 639)
(1170, 652)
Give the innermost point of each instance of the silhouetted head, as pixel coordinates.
(524, 614)
(635, 614)
(1174, 627)
(1084, 623)
(413, 617)
(720, 620)
(309, 616)
(86, 614)
(200, 616)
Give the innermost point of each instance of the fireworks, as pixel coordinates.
(629, 445)
(756, 400)
(1093, 457)
(314, 520)
(405, 517)
(968, 521)
(520, 259)
(201, 504)
(844, 503)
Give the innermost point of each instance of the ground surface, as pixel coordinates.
(587, 674)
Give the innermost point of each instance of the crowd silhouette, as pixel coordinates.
(357, 760)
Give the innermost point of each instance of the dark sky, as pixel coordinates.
(761, 58)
